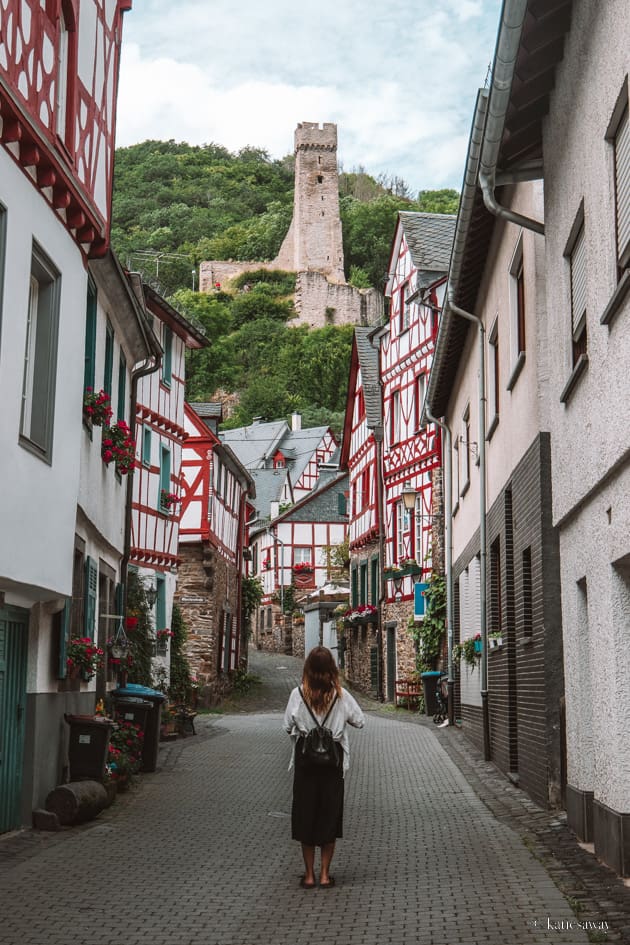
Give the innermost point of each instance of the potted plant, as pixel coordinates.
(97, 411)
(468, 650)
(495, 639)
(168, 500)
(162, 637)
(119, 446)
(84, 658)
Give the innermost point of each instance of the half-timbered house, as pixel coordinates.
(157, 482)
(362, 457)
(419, 262)
(216, 491)
(58, 87)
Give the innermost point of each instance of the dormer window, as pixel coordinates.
(279, 461)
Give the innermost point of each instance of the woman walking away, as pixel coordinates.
(316, 717)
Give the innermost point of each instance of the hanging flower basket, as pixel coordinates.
(84, 658)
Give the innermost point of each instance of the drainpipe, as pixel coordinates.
(502, 75)
(447, 460)
(380, 493)
(482, 517)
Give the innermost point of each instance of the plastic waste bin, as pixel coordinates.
(87, 749)
(153, 719)
(429, 685)
(132, 709)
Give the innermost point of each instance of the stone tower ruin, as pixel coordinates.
(314, 241)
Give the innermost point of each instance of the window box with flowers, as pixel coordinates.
(407, 567)
(97, 410)
(361, 615)
(304, 574)
(84, 658)
(495, 639)
(168, 501)
(162, 638)
(118, 446)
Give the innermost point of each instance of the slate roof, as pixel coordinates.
(368, 362)
(430, 239)
(213, 411)
(269, 485)
(253, 444)
(322, 504)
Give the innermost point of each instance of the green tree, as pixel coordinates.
(438, 201)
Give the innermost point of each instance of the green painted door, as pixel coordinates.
(13, 653)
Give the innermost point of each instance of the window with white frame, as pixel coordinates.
(403, 531)
(493, 372)
(40, 356)
(405, 308)
(618, 134)
(61, 103)
(418, 516)
(419, 393)
(517, 303)
(302, 554)
(396, 418)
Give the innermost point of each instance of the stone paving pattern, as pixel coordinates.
(200, 853)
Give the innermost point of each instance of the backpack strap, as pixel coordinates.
(318, 724)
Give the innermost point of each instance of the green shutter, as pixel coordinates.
(64, 638)
(342, 505)
(160, 604)
(167, 362)
(109, 359)
(165, 474)
(374, 581)
(354, 602)
(91, 584)
(122, 387)
(89, 371)
(146, 446)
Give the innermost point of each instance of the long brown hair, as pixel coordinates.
(320, 679)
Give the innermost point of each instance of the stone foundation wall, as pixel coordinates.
(206, 581)
(359, 644)
(399, 612)
(215, 271)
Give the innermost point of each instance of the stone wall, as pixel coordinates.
(319, 302)
(206, 582)
(214, 271)
(359, 645)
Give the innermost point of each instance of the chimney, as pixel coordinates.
(296, 422)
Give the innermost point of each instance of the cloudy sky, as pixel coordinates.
(399, 77)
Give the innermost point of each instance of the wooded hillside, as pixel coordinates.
(176, 205)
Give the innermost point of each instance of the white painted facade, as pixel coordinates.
(590, 428)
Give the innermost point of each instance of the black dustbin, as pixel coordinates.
(153, 719)
(429, 686)
(132, 709)
(87, 749)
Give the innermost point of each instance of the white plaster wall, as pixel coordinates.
(590, 434)
(523, 411)
(37, 515)
(579, 164)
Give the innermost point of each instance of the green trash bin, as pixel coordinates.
(153, 719)
(429, 686)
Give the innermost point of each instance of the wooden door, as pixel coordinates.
(13, 656)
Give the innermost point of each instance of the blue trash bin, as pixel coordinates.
(429, 685)
(152, 730)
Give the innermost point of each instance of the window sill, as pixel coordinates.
(35, 449)
(493, 425)
(617, 298)
(518, 367)
(576, 374)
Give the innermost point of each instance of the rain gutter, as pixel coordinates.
(512, 18)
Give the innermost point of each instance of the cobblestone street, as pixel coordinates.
(200, 852)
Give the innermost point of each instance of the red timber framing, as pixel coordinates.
(160, 435)
(59, 125)
(410, 454)
(308, 480)
(359, 457)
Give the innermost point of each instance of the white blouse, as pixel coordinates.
(346, 711)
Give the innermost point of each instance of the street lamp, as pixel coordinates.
(409, 495)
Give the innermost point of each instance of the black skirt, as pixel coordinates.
(317, 812)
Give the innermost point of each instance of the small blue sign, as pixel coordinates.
(419, 600)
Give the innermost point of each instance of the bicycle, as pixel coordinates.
(441, 698)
